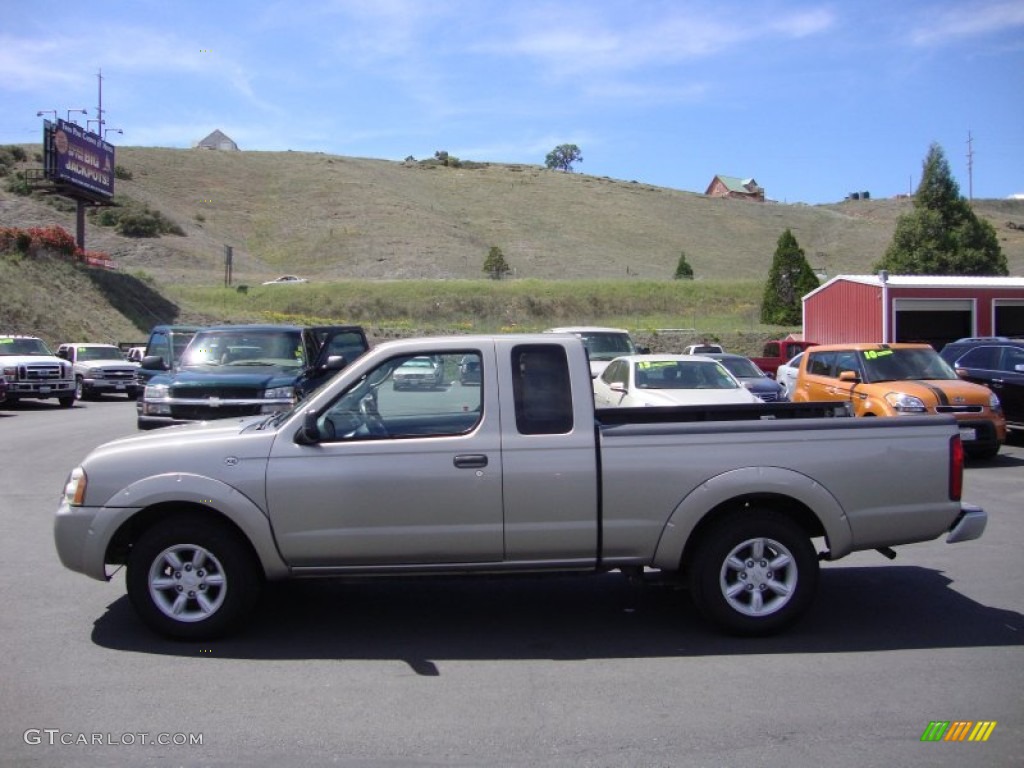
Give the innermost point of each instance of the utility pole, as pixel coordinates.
(970, 167)
(99, 108)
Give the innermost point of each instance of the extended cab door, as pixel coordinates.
(549, 453)
(396, 477)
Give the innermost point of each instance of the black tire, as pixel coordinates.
(79, 388)
(67, 402)
(216, 586)
(754, 573)
(984, 454)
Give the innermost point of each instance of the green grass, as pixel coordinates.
(689, 309)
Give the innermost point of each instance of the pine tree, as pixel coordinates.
(942, 235)
(789, 280)
(683, 269)
(495, 264)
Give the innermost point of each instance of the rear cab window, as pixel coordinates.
(542, 389)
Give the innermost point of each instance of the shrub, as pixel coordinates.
(134, 219)
(18, 184)
(53, 239)
(138, 224)
(9, 156)
(120, 172)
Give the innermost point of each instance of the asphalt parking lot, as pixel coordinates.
(584, 671)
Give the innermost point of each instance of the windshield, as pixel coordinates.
(270, 347)
(99, 353)
(32, 347)
(688, 374)
(741, 368)
(607, 345)
(904, 365)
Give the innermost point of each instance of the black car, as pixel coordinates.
(998, 363)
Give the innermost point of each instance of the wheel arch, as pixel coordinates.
(784, 491)
(159, 498)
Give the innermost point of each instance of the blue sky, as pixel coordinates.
(812, 99)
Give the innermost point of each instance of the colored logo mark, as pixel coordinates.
(958, 730)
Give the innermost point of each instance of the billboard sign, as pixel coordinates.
(79, 158)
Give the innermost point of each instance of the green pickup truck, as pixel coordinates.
(244, 370)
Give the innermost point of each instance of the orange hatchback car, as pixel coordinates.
(899, 379)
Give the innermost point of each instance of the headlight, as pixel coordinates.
(903, 403)
(155, 392)
(993, 401)
(74, 488)
(279, 393)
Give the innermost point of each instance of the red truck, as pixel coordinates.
(776, 353)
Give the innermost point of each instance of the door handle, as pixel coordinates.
(470, 461)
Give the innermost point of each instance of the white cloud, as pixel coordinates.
(968, 20)
(573, 45)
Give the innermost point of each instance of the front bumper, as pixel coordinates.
(81, 535)
(49, 389)
(117, 386)
(969, 525)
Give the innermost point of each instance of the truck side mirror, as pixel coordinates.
(153, 363)
(334, 363)
(849, 376)
(309, 434)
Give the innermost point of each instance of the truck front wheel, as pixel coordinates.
(192, 578)
(754, 573)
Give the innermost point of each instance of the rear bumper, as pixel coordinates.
(969, 525)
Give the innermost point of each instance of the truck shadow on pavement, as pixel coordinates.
(425, 621)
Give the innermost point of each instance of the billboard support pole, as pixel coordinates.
(80, 222)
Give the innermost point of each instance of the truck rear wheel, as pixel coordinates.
(192, 578)
(754, 573)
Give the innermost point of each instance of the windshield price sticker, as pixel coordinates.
(872, 354)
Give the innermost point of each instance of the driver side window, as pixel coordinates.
(407, 397)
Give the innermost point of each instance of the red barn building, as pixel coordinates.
(935, 310)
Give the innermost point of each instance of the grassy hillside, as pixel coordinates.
(337, 220)
(329, 217)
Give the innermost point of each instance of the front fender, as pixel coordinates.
(752, 481)
(198, 491)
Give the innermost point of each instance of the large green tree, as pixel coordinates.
(790, 278)
(563, 156)
(942, 235)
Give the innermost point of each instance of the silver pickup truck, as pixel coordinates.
(513, 471)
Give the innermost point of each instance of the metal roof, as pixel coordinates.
(926, 281)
